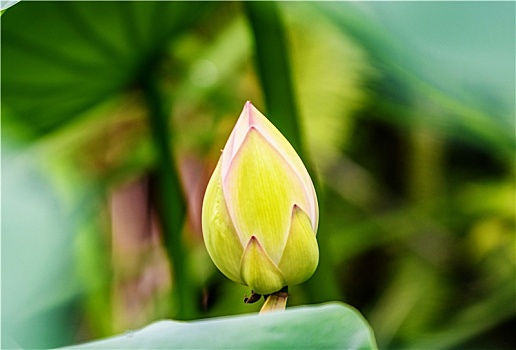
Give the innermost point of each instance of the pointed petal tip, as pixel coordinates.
(247, 114)
(258, 271)
(296, 209)
(252, 113)
(248, 108)
(253, 240)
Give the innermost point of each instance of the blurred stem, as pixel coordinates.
(275, 301)
(171, 199)
(323, 286)
(426, 164)
(274, 69)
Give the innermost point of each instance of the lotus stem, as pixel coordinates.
(276, 301)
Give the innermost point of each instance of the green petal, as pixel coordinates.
(260, 189)
(301, 254)
(258, 270)
(253, 118)
(281, 144)
(220, 237)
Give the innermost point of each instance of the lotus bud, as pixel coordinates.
(260, 212)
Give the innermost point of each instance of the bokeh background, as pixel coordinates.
(114, 115)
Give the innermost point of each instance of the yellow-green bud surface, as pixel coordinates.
(260, 212)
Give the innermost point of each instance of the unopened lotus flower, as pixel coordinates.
(260, 213)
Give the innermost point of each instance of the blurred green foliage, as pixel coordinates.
(114, 111)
